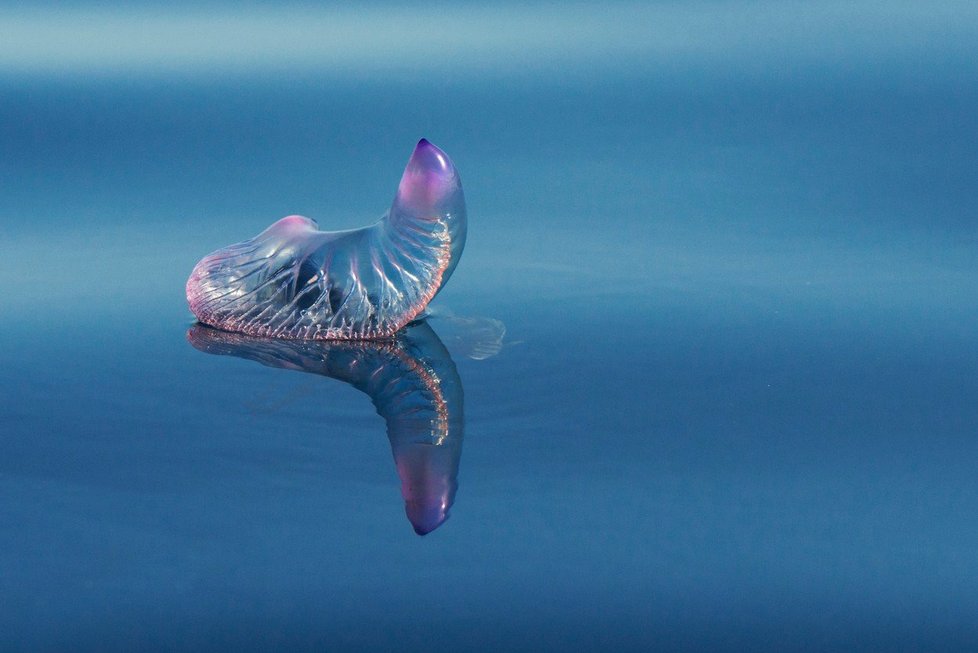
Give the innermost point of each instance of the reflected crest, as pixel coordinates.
(412, 382)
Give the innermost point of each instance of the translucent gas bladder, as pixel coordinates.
(295, 281)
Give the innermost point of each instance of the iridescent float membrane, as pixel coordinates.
(294, 281)
(412, 382)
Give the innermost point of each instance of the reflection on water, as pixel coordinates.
(413, 384)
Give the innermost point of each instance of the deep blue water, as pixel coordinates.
(735, 406)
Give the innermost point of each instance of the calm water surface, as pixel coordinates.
(734, 405)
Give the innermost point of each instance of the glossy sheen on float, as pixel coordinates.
(295, 281)
(412, 382)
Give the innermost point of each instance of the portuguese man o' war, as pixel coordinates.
(295, 281)
(413, 384)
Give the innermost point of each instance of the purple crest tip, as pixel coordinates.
(428, 158)
(429, 180)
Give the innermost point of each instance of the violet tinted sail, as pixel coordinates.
(295, 281)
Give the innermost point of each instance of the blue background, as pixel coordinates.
(734, 247)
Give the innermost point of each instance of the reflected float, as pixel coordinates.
(413, 384)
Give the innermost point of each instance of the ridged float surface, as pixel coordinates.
(295, 281)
